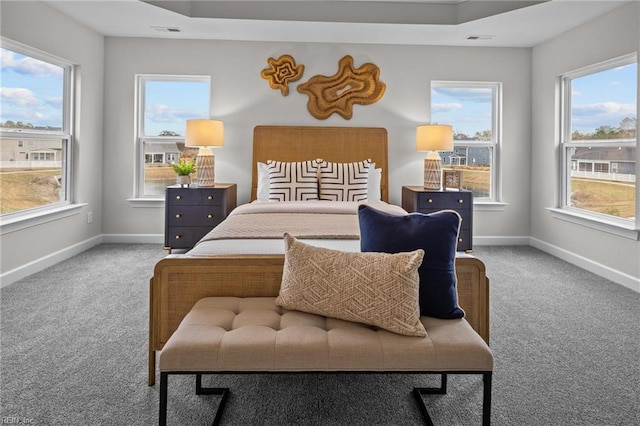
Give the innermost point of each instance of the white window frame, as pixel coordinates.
(620, 226)
(141, 138)
(495, 197)
(14, 221)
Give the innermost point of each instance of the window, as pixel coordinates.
(35, 121)
(472, 108)
(599, 116)
(164, 103)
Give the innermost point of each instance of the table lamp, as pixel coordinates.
(205, 134)
(434, 138)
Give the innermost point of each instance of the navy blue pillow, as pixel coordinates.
(437, 235)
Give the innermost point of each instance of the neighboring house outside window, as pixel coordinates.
(164, 103)
(599, 116)
(35, 121)
(472, 108)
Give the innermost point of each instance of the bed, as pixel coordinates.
(242, 261)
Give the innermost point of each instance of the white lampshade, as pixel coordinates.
(434, 137)
(202, 132)
(205, 134)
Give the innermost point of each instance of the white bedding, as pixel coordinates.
(313, 206)
(276, 245)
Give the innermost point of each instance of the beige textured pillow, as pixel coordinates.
(379, 289)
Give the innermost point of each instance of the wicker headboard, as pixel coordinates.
(335, 144)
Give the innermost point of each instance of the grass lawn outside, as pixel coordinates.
(613, 198)
(27, 189)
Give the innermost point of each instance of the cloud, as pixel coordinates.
(446, 107)
(475, 94)
(29, 66)
(604, 109)
(55, 102)
(160, 113)
(18, 96)
(588, 117)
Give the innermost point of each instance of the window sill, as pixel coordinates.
(618, 227)
(489, 206)
(28, 220)
(146, 202)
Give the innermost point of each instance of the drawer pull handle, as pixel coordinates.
(210, 197)
(461, 201)
(178, 197)
(178, 216)
(429, 200)
(460, 240)
(178, 237)
(209, 216)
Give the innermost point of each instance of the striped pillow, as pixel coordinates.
(293, 181)
(344, 181)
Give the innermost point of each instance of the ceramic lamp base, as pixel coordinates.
(432, 174)
(205, 170)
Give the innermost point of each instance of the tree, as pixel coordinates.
(168, 133)
(485, 135)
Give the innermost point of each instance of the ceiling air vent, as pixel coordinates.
(479, 37)
(167, 29)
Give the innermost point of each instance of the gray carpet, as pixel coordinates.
(74, 352)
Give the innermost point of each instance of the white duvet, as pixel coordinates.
(276, 246)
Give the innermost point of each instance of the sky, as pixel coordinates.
(602, 99)
(592, 98)
(31, 92)
(168, 104)
(467, 109)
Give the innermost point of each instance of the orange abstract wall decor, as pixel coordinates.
(339, 92)
(281, 72)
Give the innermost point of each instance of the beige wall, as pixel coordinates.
(37, 25)
(243, 100)
(608, 37)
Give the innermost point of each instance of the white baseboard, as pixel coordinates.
(133, 238)
(45, 262)
(501, 241)
(38, 265)
(618, 277)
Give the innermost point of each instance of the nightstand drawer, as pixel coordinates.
(444, 200)
(418, 199)
(464, 214)
(464, 240)
(195, 215)
(188, 197)
(185, 236)
(193, 211)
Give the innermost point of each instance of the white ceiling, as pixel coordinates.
(502, 23)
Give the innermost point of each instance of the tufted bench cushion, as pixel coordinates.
(230, 334)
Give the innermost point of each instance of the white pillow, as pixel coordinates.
(262, 193)
(373, 183)
(344, 181)
(293, 181)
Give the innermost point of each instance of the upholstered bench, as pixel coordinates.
(253, 334)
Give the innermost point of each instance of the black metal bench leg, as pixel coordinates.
(162, 417)
(486, 398)
(164, 381)
(418, 392)
(224, 392)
